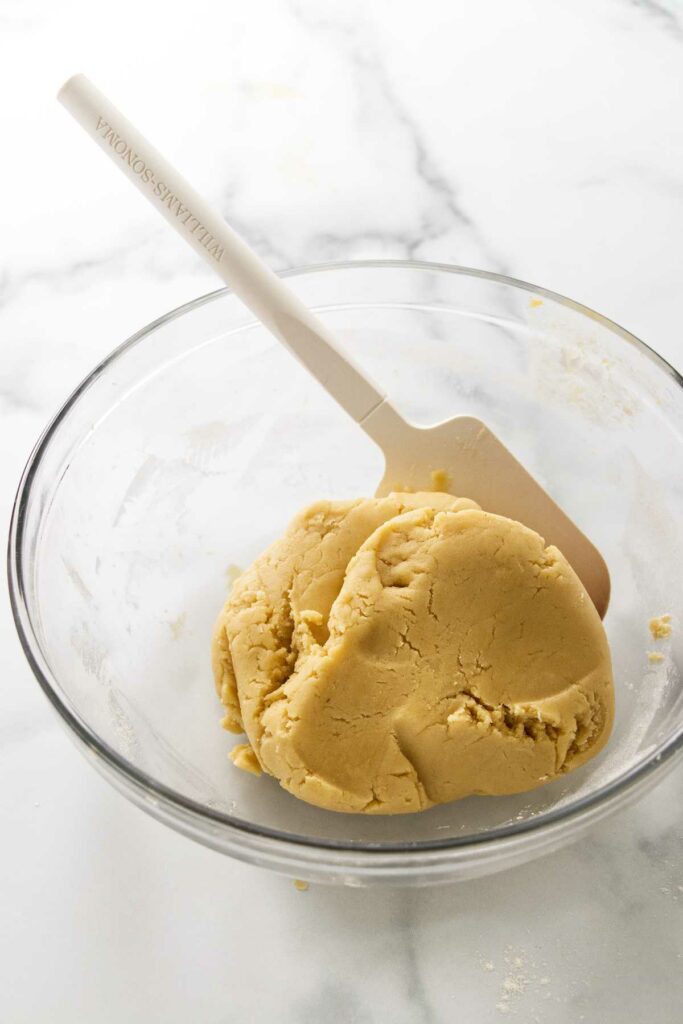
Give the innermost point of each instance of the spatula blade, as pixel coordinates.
(464, 457)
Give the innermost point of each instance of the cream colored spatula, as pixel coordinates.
(463, 449)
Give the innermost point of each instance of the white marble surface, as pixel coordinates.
(538, 138)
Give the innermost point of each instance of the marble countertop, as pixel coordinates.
(538, 139)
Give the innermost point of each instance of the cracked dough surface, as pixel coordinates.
(390, 654)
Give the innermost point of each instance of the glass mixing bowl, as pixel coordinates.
(188, 450)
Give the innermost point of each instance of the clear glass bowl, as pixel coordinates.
(187, 451)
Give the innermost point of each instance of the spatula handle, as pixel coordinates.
(232, 259)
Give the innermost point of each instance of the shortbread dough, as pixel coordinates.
(389, 654)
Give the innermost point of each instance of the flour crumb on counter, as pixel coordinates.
(300, 885)
(522, 977)
(485, 963)
(535, 303)
(176, 626)
(654, 657)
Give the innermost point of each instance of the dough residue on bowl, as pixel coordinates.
(660, 627)
(389, 654)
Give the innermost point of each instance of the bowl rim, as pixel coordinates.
(144, 784)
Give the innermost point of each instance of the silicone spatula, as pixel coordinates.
(471, 457)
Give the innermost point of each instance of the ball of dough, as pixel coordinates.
(391, 654)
